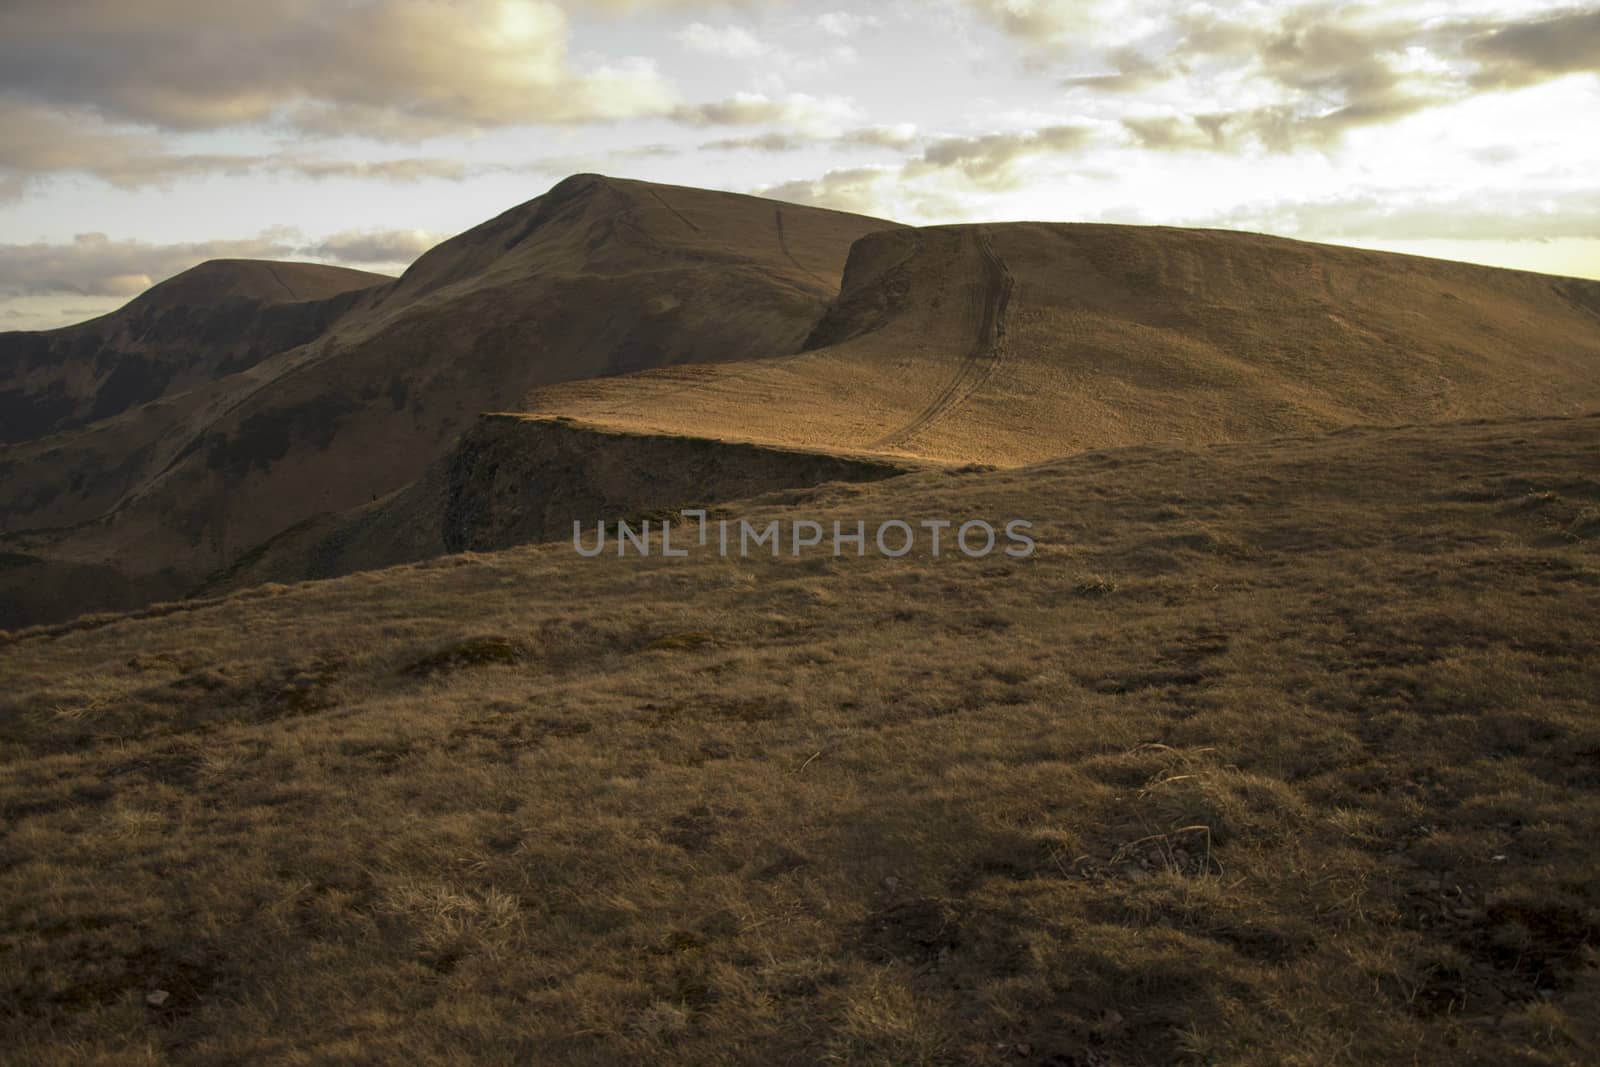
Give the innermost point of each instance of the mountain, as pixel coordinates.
(213, 320)
(597, 277)
(1013, 343)
(630, 326)
(1001, 344)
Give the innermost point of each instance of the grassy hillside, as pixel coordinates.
(519, 479)
(596, 277)
(1282, 752)
(1014, 343)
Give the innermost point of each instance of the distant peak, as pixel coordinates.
(578, 183)
(260, 280)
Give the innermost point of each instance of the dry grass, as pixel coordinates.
(1274, 754)
(1015, 343)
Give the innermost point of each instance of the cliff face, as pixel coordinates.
(516, 479)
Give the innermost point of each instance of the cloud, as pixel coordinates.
(844, 24)
(732, 42)
(744, 109)
(989, 159)
(813, 116)
(371, 247)
(1132, 71)
(1175, 132)
(94, 265)
(896, 136)
(939, 182)
(778, 66)
(764, 142)
(397, 69)
(628, 7)
(899, 136)
(49, 313)
(1299, 75)
(39, 141)
(1530, 52)
(562, 166)
(858, 189)
(1485, 215)
(1038, 24)
(1305, 79)
(389, 170)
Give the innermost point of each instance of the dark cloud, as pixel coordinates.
(1531, 52)
(401, 68)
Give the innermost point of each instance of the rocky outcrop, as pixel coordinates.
(521, 479)
(517, 479)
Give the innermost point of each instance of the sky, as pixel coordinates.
(138, 139)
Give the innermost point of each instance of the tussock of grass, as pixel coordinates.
(473, 652)
(1586, 526)
(688, 641)
(1095, 586)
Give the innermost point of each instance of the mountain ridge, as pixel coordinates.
(212, 320)
(598, 277)
(639, 312)
(1074, 336)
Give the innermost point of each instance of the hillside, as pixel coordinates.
(596, 277)
(516, 479)
(1013, 343)
(213, 320)
(1280, 751)
(1008, 344)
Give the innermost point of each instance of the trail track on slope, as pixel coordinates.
(989, 298)
(686, 220)
(783, 243)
